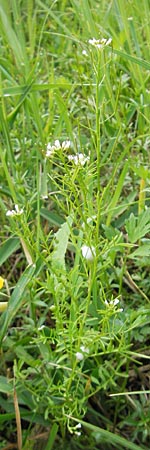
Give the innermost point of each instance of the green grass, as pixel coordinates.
(75, 252)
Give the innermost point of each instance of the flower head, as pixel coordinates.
(88, 253)
(50, 150)
(78, 159)
(15, 212)
(75, 429)
(65, 145)
(100, 43)
(79, 356)
(113, 303)
(78, 425)
(84, 349)
(84, 53)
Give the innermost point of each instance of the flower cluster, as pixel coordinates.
(78, 159)
(80, 355)
(100, 43)
(14, 212)
(57, 146)
(113, 303)
(74, 429)
(78, 426)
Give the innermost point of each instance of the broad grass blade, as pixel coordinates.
(9, 247)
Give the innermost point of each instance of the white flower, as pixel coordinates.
(79, 158)
(11, 213)
(79, 356)
(49, 150)
(78, 425)
(147, 143)
(56, 146)
(90, 219)
(100, 43)
(49, 146)
(41, 327)
(75, 428)
(112, 303)
(88, 252)
(49, 153)
(65, 145)
(84, 349)
(84, 53)
(14, 212)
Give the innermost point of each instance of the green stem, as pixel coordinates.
(8, 177)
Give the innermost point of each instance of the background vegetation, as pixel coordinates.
(75, 224)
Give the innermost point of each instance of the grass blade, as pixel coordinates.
(117, 192)
(15, 300)
(111, 437)
(133, 59)
(12, 38)
(53, 218)
(9, 247)
(52, 437)
(12, 115)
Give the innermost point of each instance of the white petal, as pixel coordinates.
(88, 252)
(79, 356)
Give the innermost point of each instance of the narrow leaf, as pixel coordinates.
(52, 217)
(9, 247)
(117, 192)
(52, 436)
(11, 37)
(15, 300)
(13, 114)
(133, 59)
